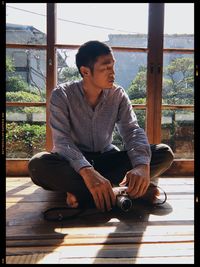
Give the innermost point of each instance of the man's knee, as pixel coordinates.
(167, 154)
(37, 160)
(36, 167)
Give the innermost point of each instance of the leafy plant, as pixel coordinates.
(24, 140)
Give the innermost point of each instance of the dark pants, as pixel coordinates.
(52, 172)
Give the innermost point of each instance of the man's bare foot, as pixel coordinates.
(151, 194)
(71, 200)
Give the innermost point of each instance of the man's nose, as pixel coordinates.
(113, 70)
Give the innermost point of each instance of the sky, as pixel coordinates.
(79, 22)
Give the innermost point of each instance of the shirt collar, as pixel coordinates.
(103, 96)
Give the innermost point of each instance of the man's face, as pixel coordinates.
(103, 75)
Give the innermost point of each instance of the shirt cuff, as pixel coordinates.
(79, 163)
(136, 162)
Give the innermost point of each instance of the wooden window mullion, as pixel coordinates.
(51, 65)
(154, 71)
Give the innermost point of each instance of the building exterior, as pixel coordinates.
(127, 64)
(29, 64)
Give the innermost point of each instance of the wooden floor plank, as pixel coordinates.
(145, 235)
(113, 230)
(110, 251)
(43, 258)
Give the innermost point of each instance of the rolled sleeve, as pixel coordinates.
(79, 164)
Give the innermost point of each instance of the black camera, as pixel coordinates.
(123, 201)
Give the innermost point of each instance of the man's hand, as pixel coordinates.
(99, 187)
(137, 180)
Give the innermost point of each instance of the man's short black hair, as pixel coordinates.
(89, 52)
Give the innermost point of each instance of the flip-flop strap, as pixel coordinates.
(60, 213)
(165, 199)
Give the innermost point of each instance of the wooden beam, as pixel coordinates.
(25, 104)
(51, 65)
(154, 71)
(181, 167)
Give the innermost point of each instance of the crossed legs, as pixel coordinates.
(52, 172)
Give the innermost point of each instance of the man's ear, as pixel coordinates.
(85, 71)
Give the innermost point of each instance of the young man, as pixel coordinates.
(84, 163)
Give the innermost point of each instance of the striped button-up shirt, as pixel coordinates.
(77, 127)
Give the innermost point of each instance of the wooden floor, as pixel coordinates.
(143, 236)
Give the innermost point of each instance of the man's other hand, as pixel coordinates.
(137, 180)
(99, 187)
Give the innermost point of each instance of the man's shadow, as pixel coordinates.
(129, 228)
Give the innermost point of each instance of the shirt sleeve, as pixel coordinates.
(134, 137)
(60, 126)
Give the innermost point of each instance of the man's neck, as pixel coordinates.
(90, 90)
(92, 93)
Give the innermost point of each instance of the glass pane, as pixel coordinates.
(79, 23)
(179, 25)
(25, 131)
(178, 80)
(66, 66)
(130, 71)
(178, 132)
(25, 75)
(26, 23)
(141, 117)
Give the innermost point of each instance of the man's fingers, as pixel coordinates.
(137, 190)
(112, 197)
(97, 201)
(104, 199)
(109, 198)
(124, 181)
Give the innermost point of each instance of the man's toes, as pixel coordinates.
(71, 200)
(151, 194)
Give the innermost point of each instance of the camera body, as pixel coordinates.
(123, 201)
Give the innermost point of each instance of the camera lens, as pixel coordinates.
(124, 203)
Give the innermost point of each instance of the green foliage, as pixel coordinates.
(24, 139)
(140, 117)
(16, 83)
(9, 65)
(138, 101)
(178, 88)
(178, 84)
(69, 74)
(137, 88)
(21, 96)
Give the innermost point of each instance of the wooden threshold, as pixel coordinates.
(19, 167)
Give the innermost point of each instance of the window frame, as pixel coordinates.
(153, 104)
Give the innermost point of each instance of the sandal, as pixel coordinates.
(159, 200)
